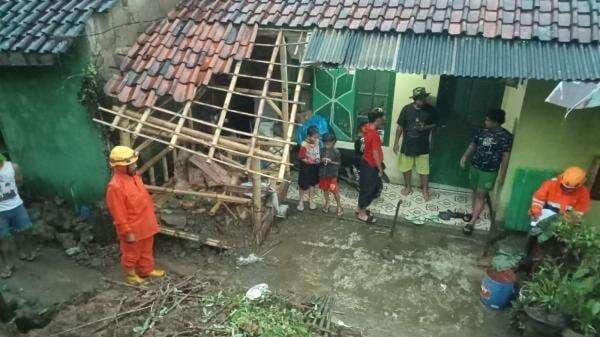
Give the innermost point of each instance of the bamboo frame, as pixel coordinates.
(195, 136)
(192, 237)
(184, 114)
(209, 195)
(150, 163)
(247, 93)
(223, 114)
(275, 63)
(284, 78)
(261, 105)
(290, 127)
(305, 84)
(216, 107)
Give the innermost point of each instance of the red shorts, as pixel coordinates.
(329, 184)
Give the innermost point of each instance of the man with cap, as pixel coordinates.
(415, 123)
(13, 215)
(132, 209)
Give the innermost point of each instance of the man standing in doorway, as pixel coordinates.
(416, 121)
(13, 215)
(491, 147)
(132, 209)
(371, 166)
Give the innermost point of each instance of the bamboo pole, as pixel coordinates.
(184, 115)
(223, 114)
(290, 126)
(99, 121)
(192, 237)
(116, 121)
(246, 93)
(284, 86)
(208, 195)
(275, 107)
(152, 175)
(305, 84)
(195, 135)
(261, 104)
(165, 168)
(239, 112)
(256, 202)
(267, 62)
(139, 126)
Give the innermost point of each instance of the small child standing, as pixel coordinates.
(309, 156)
(328, 173)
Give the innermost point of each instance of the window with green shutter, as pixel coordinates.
(343, 97)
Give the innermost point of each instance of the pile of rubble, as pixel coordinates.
(86, 236)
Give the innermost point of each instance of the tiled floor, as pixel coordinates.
(413, 207)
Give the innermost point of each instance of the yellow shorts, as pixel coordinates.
(420, 163)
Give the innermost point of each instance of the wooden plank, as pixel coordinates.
(223, 113)
(216, 173)
(184, 114)
(290, 127)
(261, 104)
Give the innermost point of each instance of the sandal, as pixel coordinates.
(312, 205)
(300, 207)
(367, 211)
(370, 219)
(7, 272)
(467, 217)
(340, 211)
(468, 229)
(326, 209)
(30, 257)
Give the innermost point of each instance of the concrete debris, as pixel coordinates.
(175, 219)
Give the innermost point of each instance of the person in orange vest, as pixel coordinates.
(132, 209)
(561, 194)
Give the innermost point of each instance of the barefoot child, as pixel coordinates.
(328, 173)
(309, 156)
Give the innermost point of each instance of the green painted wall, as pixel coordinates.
(545, 141)
(49, 133)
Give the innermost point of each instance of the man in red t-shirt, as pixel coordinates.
(371, 166)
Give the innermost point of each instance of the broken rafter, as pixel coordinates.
(263, 97)
(240, 167)
(223, 114)
(195, 136)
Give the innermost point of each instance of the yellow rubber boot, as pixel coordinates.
(134, 279)
(157, 273)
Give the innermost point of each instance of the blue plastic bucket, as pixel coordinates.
(497, 289)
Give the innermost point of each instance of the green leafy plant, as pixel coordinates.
(91, 94)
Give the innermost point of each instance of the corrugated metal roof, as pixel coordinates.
(455, 55)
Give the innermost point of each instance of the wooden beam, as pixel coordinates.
(138, 127)
(290, 126)
(275, 107)
(184, 115)
(208, 195)
(304, 84)
(267, 62)
(192, 237)
(117, 119)
(239, 112)
(261, 104)
(223, 114)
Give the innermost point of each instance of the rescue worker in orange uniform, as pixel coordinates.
(561, 194)
(556, 196)
(132, 209)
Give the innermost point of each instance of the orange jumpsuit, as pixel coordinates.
(551, 196)
(132, 209)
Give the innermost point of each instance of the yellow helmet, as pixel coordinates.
(573, 177)
(122, 156)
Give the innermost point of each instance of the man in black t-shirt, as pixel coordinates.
(490, 149)
(415, 124)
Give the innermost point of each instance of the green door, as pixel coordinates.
(344, 97)
(333, 98)
(462, 103)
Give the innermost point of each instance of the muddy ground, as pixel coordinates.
(424, 282)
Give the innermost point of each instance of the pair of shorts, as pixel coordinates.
(308, 176)
(14, 220)
(329, 184)
(482, 180)
(420, 163)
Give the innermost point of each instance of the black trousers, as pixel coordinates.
(370, 184)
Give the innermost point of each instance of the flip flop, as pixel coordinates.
(326, 209)
(340, 211)
(468, 229)
(370, 219)
(367, 211)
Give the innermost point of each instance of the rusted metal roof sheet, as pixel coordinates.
(459, 56)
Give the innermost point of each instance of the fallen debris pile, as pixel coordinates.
(84, 237)
(192, 306)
